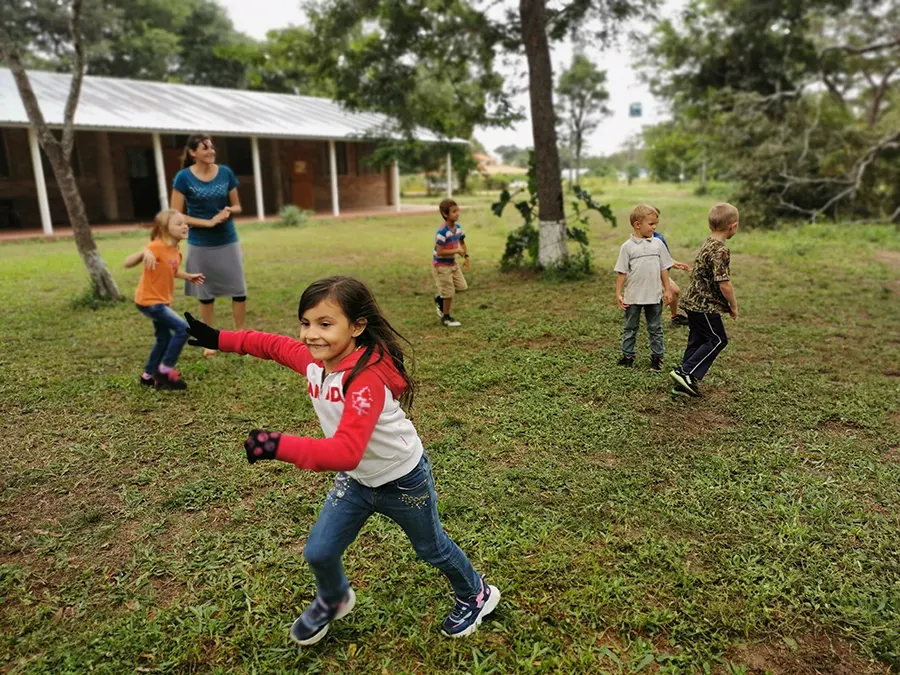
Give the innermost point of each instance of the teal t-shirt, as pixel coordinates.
(204, 199)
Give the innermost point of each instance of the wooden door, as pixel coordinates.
(172, 164)
(302, 184)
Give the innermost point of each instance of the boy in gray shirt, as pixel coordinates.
(643, 283)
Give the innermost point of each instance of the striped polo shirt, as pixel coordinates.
(449, 239)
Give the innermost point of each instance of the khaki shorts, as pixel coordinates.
(449, 280)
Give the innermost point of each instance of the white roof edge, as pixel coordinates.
(109, 104)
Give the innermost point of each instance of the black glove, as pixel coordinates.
(261, 444)
(207, 336)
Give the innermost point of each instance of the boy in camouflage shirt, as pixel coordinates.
(708, 297)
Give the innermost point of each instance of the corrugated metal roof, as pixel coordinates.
(135, 105)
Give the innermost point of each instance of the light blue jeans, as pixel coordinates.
(171, 334)
(411, 502)
(654, 328)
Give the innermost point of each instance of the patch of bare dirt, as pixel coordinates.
(841, 427)
(892, 257)
(604, 459)
(892, 455)
(816, 654)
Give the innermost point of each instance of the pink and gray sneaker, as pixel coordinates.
(312, 625)
(468, 614)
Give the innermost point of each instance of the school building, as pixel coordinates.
(130, 135)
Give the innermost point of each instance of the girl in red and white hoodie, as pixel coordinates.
(353, 362)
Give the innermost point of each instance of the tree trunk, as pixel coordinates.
(552, 248)
(102, 281)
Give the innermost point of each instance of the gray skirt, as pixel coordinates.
(223, 267)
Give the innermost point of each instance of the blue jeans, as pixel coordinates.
(411, 502)
(171, 334)
(654, 328)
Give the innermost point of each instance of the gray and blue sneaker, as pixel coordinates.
(469, 613)
(312, 625)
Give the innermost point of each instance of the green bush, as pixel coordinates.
(293, 216)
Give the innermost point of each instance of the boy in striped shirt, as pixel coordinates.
(449, 242)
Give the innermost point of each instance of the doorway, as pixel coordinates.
(303, 184)
(142, 183)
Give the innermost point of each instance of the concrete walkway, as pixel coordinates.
(112, 228)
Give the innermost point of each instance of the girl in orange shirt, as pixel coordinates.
(153, 298)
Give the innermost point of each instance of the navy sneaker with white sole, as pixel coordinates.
(468, 614)
(312, 625)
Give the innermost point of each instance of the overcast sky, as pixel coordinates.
(255, 17)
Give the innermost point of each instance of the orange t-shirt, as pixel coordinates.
(158, 286)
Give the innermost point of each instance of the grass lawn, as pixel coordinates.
(757, 529)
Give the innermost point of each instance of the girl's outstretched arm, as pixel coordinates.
(134, 259)
(363, 405)
(280, 348)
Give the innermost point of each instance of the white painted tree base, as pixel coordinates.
(552, 243)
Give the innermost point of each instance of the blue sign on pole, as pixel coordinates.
(634, 110)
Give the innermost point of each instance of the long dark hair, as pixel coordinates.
(379, 337)
(193, 142)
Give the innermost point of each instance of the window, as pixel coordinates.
(4, 157)
(240, 156)
(340, 151)
(364, 166)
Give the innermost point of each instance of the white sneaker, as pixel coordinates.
(450, 322)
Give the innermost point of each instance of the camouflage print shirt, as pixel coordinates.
(711, 266)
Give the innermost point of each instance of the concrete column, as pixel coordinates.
(332, 163)
(449, 177)
(40, 182)
(257, 178)
(276, 175)
(395, 184)
(160, 173)
(107, 177)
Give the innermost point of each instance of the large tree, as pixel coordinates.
(191, 41)
(582, 98)
(795, 98)
(52, 27)
(381, 52)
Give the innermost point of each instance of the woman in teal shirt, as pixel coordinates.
(206, 193)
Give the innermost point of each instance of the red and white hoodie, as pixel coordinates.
(366, 431)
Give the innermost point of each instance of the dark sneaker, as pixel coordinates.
(656, 363)
(312, 625)
(685, 381)
(449, 321)
(439, 306)
(170, 380)
(678, 390)
(680, 320)
(468, 614)
(626, 361)
(146, 381)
